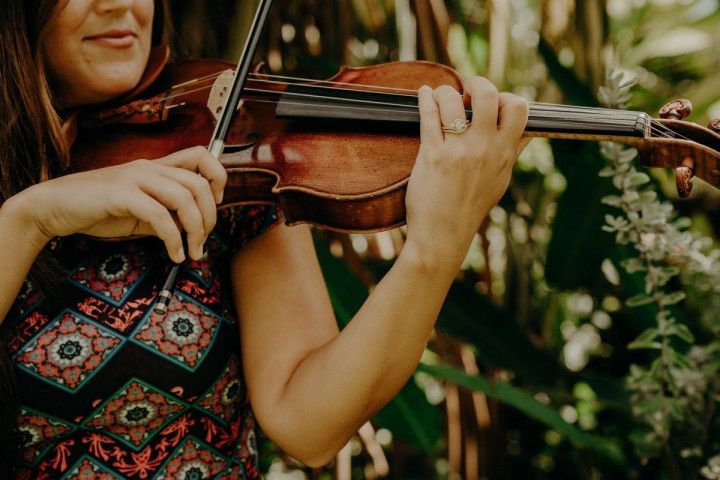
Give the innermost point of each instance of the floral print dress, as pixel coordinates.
(108, 389)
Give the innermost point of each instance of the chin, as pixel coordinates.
(100, 78)
(112, 82)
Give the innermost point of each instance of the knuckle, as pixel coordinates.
(212, 222)
(428, 107)
(481, 85)
(480, 152)
(446, 91)
(444, 153)
(185, 196)
(468, 154)
(140, 163)
(158, 211)
(223, 175)
(509, 154)
(204, 186)
(517, 103)
(198, 183)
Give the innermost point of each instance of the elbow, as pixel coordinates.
(311, 448)
(310, 453)
(315, 461)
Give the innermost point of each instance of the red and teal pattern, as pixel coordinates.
(193, 461)
(183, 334)
(110, 390)
(135, 413)
(69, 351)
(37, 432)
(86, 469)
(112, 274)
(225, 397)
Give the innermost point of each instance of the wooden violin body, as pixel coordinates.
(339, 153)
(346, 176)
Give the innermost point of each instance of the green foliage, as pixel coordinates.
(525, 402)
(672, 397)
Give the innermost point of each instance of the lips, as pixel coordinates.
(115, 38)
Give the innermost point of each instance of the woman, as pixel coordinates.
(107, 388)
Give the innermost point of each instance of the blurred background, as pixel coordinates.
(572, 345)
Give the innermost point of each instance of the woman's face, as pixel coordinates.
(98, 49)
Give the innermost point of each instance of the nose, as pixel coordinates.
(113, 6)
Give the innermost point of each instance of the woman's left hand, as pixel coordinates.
(459, 177)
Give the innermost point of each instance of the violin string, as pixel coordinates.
(536, 109)
(656, 127)
(655, 130)
(618, 114)
(669, 133)
(534, 106)
(384, 89)
(302, 81)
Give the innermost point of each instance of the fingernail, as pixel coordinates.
(220, 197)
(180, 254)
(425, 88)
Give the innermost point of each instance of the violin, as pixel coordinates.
(338, 153)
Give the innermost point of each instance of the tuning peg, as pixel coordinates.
(677, 109)
(683, 177)
(714, 125)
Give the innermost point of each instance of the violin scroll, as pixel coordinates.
(677, 109)
(691, 149)
(714, 125)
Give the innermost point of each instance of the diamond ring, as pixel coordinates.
(457, 127)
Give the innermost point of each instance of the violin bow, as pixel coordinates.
(217, 142)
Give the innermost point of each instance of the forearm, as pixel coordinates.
(20, 243)
(341, 385)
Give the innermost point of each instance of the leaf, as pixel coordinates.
(527, 404)
(608, 172)
(633, 265)
(672, 298)
(639, 300)
(644, 345)
(499, 341)
(638, 179)
(578, 245)
(412, 419)
(612, 200)
(648, 335)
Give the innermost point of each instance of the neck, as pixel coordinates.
(545, 120)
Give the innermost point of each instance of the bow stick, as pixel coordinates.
(217, 143)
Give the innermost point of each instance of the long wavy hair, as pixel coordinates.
(32, 150)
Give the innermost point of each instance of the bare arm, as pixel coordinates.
(312, 387)
(138, 198)
(20, 243)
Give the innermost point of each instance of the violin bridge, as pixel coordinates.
(219, 92)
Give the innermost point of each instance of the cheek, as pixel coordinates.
(62, 41)
(144, 12)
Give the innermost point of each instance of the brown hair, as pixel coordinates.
(32, 150)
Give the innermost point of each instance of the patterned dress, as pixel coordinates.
(108, 389)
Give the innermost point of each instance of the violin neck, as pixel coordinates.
(587, 123)
(545, 120)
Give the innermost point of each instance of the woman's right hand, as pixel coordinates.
(159, 197)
